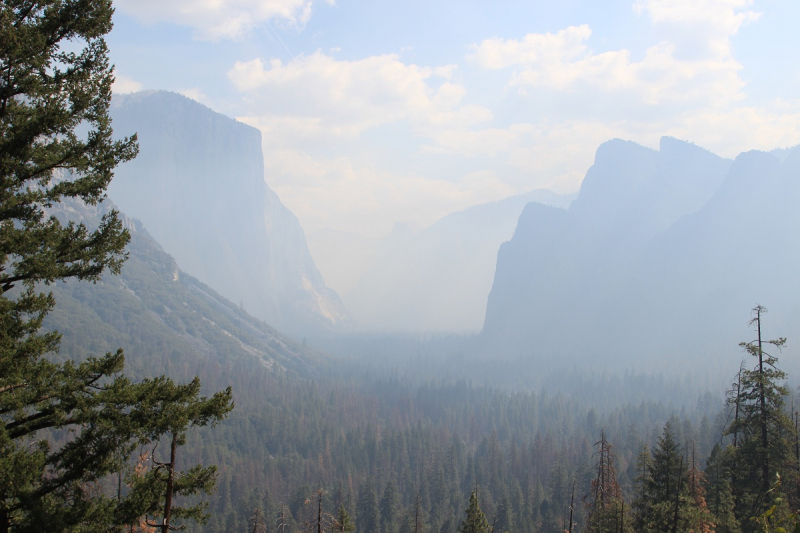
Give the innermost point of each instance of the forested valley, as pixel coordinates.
(400, 456)
(135, 397)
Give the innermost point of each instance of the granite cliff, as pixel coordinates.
(198, 186)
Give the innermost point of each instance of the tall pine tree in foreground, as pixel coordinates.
(56, 77)
(762, 428)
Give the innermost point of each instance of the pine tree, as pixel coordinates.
(664, 491)
(642, 481)
(475, 522)
(763, 429)
(670, 493)
(57, 81)
(606, 508)
(172, 412)
(719, 493)
(368, 516)
(390, 509)
(343, 524)
(504, 522)
(259, 525)
(697, 515)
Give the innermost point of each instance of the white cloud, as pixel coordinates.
(219, 19)
(196, 94)
(700, 28)
(563, 61)
(318, 95)
(314, 102)
(731, 132)
(726, 15)
(692, 65)
(353, 196)
(124, 84)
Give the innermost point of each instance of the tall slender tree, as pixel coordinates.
(763, 429)
(604, 503)
(343, 523)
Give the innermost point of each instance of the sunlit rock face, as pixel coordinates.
(198, 186)
(660, 258)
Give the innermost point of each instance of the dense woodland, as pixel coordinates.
(390, 453)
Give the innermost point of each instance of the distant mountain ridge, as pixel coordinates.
(198, 186)
(660, 258)
(439, 279)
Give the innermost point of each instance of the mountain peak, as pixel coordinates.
(198, 184)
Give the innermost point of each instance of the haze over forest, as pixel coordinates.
(429, 258)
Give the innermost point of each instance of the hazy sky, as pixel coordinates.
(374, 111)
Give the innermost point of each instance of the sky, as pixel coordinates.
(377, 112)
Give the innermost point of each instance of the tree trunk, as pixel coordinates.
(763, 407)
(170, 480)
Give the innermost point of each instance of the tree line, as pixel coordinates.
(398, 476)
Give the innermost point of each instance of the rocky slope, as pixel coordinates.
(166, 320)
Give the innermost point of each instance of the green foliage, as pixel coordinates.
(46, 92)
(670, 495)
(344, 524)
(475, 521)
(390, 509)
(763, 428)
(173, 410)
(719, 491)
(66, 426)
(776, 518)
(368, 515)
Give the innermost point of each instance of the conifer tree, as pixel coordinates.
(475, 521)
(390, 509)
(176, 409)
(666, 503)
(697, 514)
(763, 429)
(343, 524)
(606, 507)
(368, 516)
(56, 81)
(719, 493)
(259, 525)
(505, 516)
(640, 507)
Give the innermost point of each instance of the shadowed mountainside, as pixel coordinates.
(198, 185)
(166, 320)
(660, 258)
